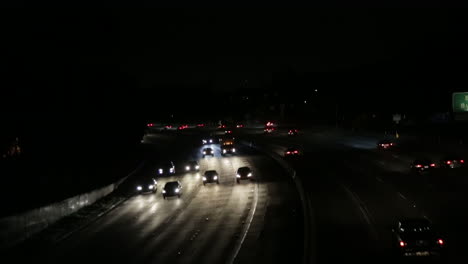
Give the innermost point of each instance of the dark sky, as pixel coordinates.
(129, 62)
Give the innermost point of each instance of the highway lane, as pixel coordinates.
(359, 192)
(206, 225)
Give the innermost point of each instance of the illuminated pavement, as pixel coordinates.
(225, 223)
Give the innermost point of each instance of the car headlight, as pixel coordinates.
(238, 176)
(171, 169)
(233, 150)
(211, 141)
(204, 178)
(204, 141)
(249, 175)
(204, 152)
(177, 190)
(150, 187)
(224, 151)
(215, 177)
(197, 167)
(187, 168)
(164, 191)
(139, 188)
(160, 171)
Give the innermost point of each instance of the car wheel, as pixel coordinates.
(217, 182)
(164, 197)
(154, 191)
(178, 195)
(204, 184)
(238, 181)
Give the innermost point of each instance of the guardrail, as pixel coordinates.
(17, 228)
(309, 243)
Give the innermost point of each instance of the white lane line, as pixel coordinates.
(402, 196)
(365, 213)
(379, 179)
(246, 227)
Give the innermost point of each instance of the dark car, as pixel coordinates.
(422, 165)
(173, 188)
(192, 166)
(292, 152)
(244, 173)
(415, 238)
(228, 149)
(385, 144)
(451, 162)
(293, 132)
(165, 168)
(210, 176)
(208, 152)
(146, 185)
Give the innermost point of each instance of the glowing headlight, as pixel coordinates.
(139, 188)
(150, 187)
(187, 168)
(233, 150)
(204, 141)
(215, 177)
(224, 151)
(204, 178)
(249, 175)
(171, 169)
(211, 141)
(204, 152)
(160, 171)
(238, 176)
(164, 191)
(177, 190)
(197, 167)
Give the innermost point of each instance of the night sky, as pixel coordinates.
(128, 64)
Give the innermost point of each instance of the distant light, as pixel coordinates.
(449, 162)
(433, 165)
(305, 101)
(402, 244)
(462, 161)
(440, 242)
(316, 90)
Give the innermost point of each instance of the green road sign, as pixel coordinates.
(460, 102)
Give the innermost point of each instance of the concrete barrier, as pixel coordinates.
(309, 242)
(17, 228)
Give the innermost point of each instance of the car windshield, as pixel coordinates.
(210, 173)
(192, 163)
(171, 185)
(243, 170)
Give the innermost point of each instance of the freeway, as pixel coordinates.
(226, 223)
(359, 192)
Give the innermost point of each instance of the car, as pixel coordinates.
(422, 165)
(209, 139)
(210, 176)
(269, 130)
(192, 166)
(244, 173)
(228, 131)
(208, 152)
(451, 162)
(293, 132)
(239, 125)
(385, 144)
(172, 188)
(416, 238)
(147, 184)
(292, 152)
(165, 168)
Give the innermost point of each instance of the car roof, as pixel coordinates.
(210, 172)
(208, 149)
(244, 168)
(172, 183)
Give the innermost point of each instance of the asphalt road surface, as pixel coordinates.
(359, 192)
(252, 222)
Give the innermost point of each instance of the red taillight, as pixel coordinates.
(440, 242)
(289, 152)
(462, 161)
(449, 162)
(433, 165)
(418, 166)
(391, 144)
(296, 151)
(150, 125)
(402, 244)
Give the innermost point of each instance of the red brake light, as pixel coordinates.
(462, 161)
(402, 244)
(289, 152)
(440, 242)
(418, 166)
(433, 165)
(150, 125)
(296, 151)
(449, 162)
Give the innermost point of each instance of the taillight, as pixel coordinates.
(296, 151)
(150, 125)
(289, 152)
(440, 242)
(432, 164)
(462, 161)
(418, 166)
(449, 162)
(391, 144)
(402, 244)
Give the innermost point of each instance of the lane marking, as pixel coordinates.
(246, 228)
(402, 196)
(365, 213)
